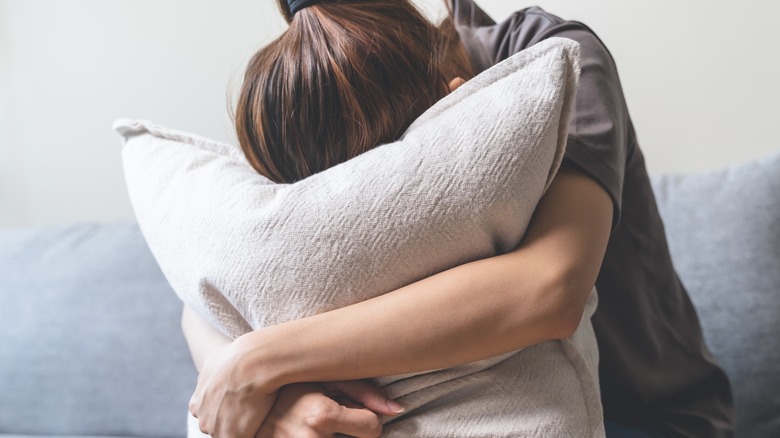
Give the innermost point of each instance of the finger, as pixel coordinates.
(359, 423)
(456, 83)
(193, 410)
(368, 394)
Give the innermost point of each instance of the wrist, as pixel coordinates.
(260, 360)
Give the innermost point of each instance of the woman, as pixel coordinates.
(597, 224)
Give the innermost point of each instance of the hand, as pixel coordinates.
(314, 410)
(227, 403)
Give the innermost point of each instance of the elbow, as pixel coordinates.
(568, 321)
(570, 296)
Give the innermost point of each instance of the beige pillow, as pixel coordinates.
(460, 185)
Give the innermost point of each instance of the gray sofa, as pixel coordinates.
(89, 329)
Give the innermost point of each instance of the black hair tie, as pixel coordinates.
(297, 5)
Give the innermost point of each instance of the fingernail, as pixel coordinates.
(395, 407)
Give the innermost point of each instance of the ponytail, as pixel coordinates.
(346, 76)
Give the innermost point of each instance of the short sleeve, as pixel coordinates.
(600, 134)
(599, 139)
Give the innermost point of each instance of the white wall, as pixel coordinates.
(70, 68)
(9, 203)
(699, 77)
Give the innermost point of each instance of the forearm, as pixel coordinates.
(202, 339)
(409, 330)
(477, 310)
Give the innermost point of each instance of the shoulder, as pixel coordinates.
(489, 42)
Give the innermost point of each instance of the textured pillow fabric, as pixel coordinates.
(724, 236)
(90, 340)
(460, 185)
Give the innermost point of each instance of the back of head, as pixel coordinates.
(346, 76)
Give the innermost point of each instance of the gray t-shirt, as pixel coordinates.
(656, 371)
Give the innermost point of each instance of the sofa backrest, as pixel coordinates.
(90, 342)
(724, 235)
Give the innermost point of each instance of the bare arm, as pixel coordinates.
(202, 339)
(302, 409)
(477, 310)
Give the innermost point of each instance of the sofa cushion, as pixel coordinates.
(724, 236)
(90, 342)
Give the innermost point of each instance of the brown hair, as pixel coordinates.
(346, 76)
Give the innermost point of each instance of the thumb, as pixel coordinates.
(368, 394)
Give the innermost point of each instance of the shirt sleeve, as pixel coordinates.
(599, 140)
(600, 133)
